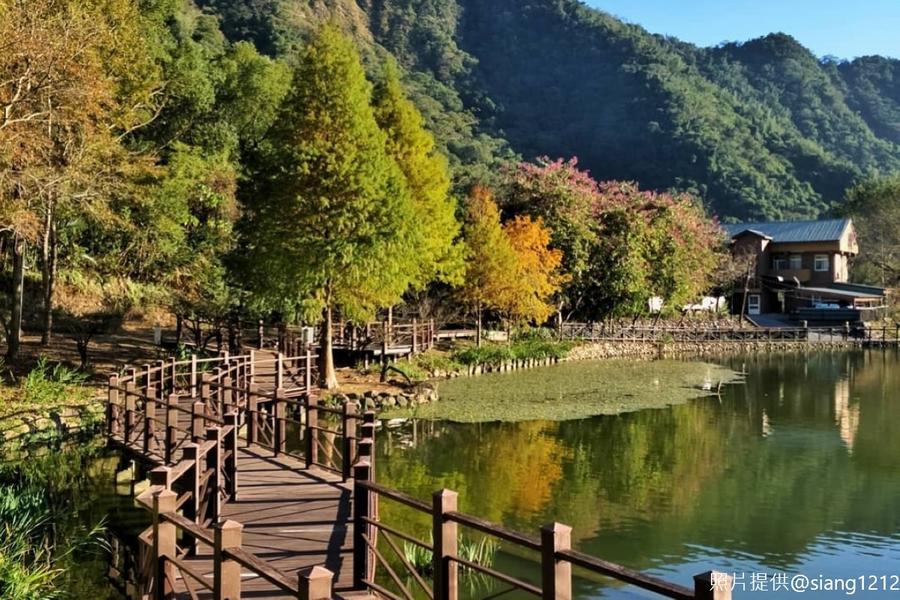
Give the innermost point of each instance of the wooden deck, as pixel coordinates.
(293, 518)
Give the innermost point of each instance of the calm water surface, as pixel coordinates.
(797, 470)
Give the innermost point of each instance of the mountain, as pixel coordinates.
(759, 130)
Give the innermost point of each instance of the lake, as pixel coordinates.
(795, 470)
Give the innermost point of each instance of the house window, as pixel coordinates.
(796, 262)
(779, 264)
(821, 262)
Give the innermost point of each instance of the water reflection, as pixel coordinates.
(796, 470)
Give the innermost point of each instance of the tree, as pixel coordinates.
(427, 178)
(537, 277)
(563, 196)
(874, 206)
(491, 261)
(650, 244)
(328, 223)
(74, 75)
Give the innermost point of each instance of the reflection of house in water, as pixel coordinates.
(846, 415)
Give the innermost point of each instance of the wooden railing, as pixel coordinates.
(161, 560)
(415, 335)
(598, 332)
(553, 546)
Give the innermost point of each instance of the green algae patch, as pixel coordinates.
(571, 390)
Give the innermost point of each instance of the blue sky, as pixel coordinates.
(842, 28)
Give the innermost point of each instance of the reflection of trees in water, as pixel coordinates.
(640, 487)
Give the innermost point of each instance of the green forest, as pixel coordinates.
(759, 130)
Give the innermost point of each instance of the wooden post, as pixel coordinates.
(149, 422)
(556, 575)
(260, 333)
(164, 543)
(198, 420)
(307, 376)
(214, 465)
(315, 583)
(445, 535)
(279, 421)
(205, 396)
(279, 371)
(112, 406)
(130, 416)
(251, 374)
(171, 427)
(173, 375)
(230, 461)
(148, 380)
(227, 393)
(348, 428)
(252, 413)
(312, 433)
(192, 508)
(226, 572)
(415, 336)
(362, 510)
(712, 585)
(366, 444)
(193, 375)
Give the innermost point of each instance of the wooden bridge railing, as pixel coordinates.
(162, 561)
(553, 546)
(599, 332)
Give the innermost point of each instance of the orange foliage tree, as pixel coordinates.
(537, 276)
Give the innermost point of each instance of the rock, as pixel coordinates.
(402, 401)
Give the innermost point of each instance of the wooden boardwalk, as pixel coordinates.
(292, 518)
(258, 491)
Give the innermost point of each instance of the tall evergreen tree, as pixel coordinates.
(333, 210)
(427, 178)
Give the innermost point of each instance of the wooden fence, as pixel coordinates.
(600, 332)
(553, 548)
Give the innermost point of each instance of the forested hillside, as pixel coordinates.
(762, 129)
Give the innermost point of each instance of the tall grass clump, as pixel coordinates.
(44, 541)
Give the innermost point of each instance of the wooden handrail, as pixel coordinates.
(647, 582)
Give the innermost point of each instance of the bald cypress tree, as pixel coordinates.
(332, 210)
(437, 256)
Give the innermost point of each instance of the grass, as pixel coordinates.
(43, 541)
(482, 551)
(29, 409)
(528, 349)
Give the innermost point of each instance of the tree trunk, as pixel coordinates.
(478, 326)
(18, 297)
(327, 375)
(49, 253)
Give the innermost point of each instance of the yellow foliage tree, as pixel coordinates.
(491, 260)
(537, 277)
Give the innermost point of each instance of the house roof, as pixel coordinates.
(829, 230)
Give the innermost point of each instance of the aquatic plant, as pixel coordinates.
(44, 538)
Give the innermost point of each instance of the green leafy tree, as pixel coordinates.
(329, 225)
(427, 178)
(874, 207)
